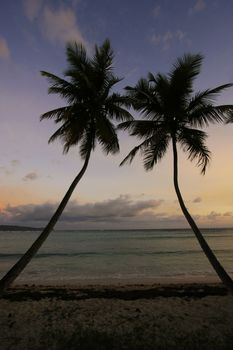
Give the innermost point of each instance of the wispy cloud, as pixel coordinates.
(213, 215)
(58, 24)
(4, 49)
(197, 200)
(156, 11)
(199, 6)
(228, 213)
(168, 38)
(30, 176)
(5, 170)
(32, 8)
(15, 162)
(10, 167)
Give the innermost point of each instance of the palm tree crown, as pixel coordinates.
(173, 110)
(91, 106)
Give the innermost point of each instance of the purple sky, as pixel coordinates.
(146, 36)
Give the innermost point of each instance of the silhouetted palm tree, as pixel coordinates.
(173, 112)
(85, 120)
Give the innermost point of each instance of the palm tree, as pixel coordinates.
(173, 112)
(84, 121)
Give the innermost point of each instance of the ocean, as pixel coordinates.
(69, 256)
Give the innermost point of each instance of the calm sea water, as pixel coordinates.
(79, 255)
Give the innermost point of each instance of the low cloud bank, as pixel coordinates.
(122, 212)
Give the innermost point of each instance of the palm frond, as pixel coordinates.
(56, 81)
(145, 98)
(129, 158)
(108, 83)
(152, 149)
(229, 119)
(206, 97)
(184, 71)
(57, 114)
(141, 128)
(60, 86)
(79, 69)
(193, 142)
(151, 77)
(103, 57)
(142, 146)
(60, 132)
(156, 150)
(205, 115)
(160, 93)
(73, 135)
(181, 80)
(71, 131)
(118, 113)
(77, 56)
(106, 135)
(125, 125)
(115, 107)
(138, 94)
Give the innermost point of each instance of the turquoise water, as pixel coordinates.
(80, 255)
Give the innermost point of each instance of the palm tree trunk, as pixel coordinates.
(223, 275)
(13, 273)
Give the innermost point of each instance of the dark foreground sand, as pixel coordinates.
(189, 316)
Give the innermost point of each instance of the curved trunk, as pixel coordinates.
(223, 275)
(13, 273)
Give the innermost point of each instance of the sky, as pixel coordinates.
(146, 36)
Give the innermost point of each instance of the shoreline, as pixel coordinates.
(84, 282)
(138, 291)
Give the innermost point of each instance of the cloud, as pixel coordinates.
(5, 170)
(216, 218)
(122, 212)
(111, 211)
(228, 213)
(4, 49)
(199, 6)
(213, 215)
(32, 8)
(197, 200)
(60, 26)
(168, 38)
(156, 11)
(10, 168)
(30, 176)
(15, 162)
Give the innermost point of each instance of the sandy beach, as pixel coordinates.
(135, 316)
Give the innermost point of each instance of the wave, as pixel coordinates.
(112, 254)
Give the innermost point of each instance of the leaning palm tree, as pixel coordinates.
(173, 112)
(85, 120)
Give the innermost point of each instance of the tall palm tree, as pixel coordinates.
(85, 120)
(173, 112)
